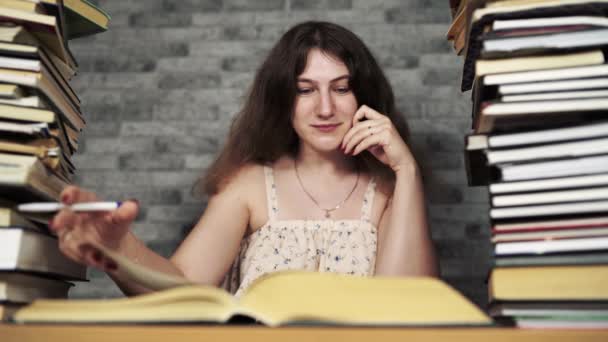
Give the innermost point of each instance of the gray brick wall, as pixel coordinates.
(160, 88)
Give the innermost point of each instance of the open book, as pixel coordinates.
(283, 298)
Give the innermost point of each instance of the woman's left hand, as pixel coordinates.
(376, 133)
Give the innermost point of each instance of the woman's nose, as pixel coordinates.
(326, 104)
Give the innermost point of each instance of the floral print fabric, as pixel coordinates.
(337, 246)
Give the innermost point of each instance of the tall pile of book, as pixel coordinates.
(40, 120)
(539, 141)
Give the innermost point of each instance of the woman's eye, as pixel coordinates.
(304, 91)
(343, 90)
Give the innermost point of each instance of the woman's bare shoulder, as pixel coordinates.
(245, 177)
(249, 185)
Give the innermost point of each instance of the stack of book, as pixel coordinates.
(539, 81)
(40, 120)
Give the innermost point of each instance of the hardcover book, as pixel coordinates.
(558, 283)
(279, 299)
(23, 287)
(26, 250)
(26, 179)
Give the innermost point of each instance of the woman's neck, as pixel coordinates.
(330, 163)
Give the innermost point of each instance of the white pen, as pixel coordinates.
(50, 207)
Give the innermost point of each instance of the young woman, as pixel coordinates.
(314, 176)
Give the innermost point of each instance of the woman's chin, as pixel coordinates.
(326, 145)
(333, 148)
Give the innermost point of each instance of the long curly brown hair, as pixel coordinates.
(262, 131)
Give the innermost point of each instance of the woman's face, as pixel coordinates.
(325, 103)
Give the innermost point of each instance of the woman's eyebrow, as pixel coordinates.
(339, 78)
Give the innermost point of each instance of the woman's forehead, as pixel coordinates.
(323, 66)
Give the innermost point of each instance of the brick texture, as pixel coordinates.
(160, 88)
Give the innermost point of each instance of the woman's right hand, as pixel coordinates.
(79, 231)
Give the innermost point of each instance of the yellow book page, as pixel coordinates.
(11, 91)
(26, 114)
(19, 5)
(8, 146)
(494, 66)
(176, 300)
(289, 297)
(192, 303)
(550, 283)
(16, 14)
(18, 48)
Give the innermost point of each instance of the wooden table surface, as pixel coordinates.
(174, 333)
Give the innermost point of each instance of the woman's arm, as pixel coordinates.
(208, 251)
(203, 257)
(138, 252)
(404, 243)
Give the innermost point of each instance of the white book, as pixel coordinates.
(575, 195)
(548, 184)
(19, 63)
(549, 135)
(547, 75)
(535, 107)
(544, 22)
(554, 169)
(560, 150)
(29, 101)
(37, 129)
(562, 95)
(551, 246)
(549, 210)
(562, 40)
(26, 287)
(535, 87)
(25, 250)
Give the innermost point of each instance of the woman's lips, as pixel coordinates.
(326, 128)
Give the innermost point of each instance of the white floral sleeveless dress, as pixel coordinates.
(337, 246)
